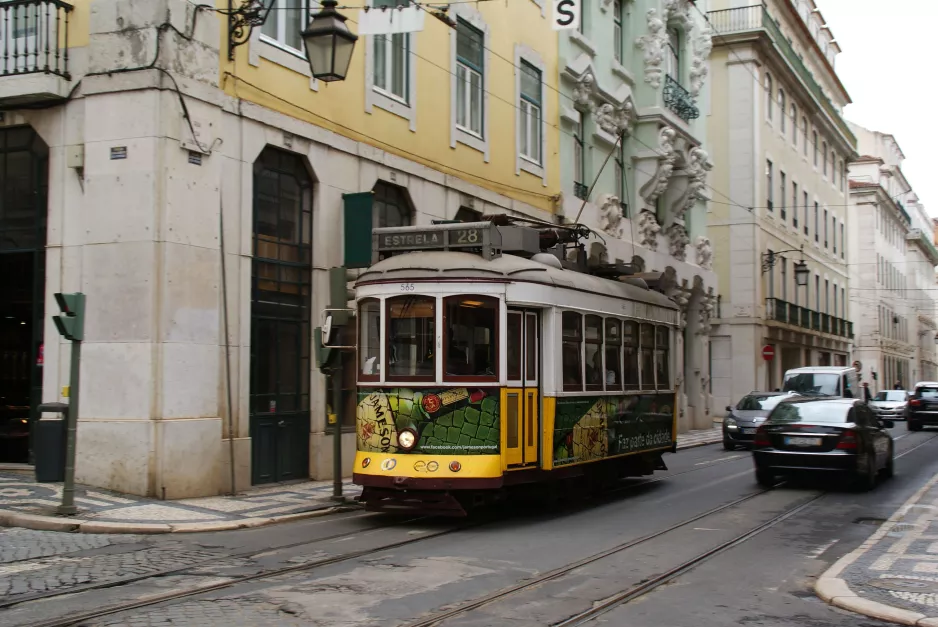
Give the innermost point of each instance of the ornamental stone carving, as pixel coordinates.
(700, 64)
(614, 120)
(666, 160)
(704, 252)
(698, 164)
(648, 229)
(583, 92)
(681, 297)
(653, 46)
(610, 215)
(705, 313)
(678, 241)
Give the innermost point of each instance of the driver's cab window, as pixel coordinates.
(470, 337)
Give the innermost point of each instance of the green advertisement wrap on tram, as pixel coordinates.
(595, 427)
(447, 421)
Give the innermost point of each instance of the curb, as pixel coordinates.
(834, 591)
(11, 518)
(699, 444)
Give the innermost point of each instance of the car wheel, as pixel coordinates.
(889, 470)
(913, 426)
(866, 477)
(765, 479)
(728, 446)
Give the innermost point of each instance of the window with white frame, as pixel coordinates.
(781, 109)
(391, 62)
(285, 23)
(470, 68)
(617, 29)
(530, 105)
(673, 54)
(794, 125)
(769, 95)
(804, 123)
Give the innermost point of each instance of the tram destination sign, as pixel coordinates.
(441, 237)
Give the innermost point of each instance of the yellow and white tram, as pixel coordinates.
(484, 364)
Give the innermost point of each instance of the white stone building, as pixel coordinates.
(892, 258)
(781, 149)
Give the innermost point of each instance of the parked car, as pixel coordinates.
(890, 404)
(839, 436)
(739, 426)
(922, 409)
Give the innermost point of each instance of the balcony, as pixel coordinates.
(580, 190)
(679, 100)
(795, 315)
(33, 52)
(757, 18)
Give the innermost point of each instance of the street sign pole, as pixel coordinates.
(71, 325)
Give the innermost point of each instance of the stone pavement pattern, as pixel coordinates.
(894, 574)
(19, 492)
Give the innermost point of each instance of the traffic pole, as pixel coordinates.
(67, 508)
(337, 429)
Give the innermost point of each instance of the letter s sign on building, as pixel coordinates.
(566, 14)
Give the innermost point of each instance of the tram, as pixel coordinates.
(488, 362)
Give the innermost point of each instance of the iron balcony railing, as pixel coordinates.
(781, 311)
(580, 190)
(757, 17)
(679, 100)
(34, 37)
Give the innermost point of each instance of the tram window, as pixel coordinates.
(662, 367)
(594, 353)
(411, 338)
(369, 339)
(613, 354)
(630, 354)
(514, 345)
(471, 337)
(647, 349)
(572, 351)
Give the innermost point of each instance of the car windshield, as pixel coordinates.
(929, 393)
(760, 403)
(891, 396)
(810, 412)
(813, 383)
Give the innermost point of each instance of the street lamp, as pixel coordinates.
(328, 41)
(770, 258)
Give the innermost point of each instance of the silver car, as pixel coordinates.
(890, 404)
(741, 422)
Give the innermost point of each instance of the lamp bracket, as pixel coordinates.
(243, 20)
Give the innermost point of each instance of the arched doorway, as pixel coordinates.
(281, 286)
(24, 174)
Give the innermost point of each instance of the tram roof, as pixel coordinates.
(449, 266)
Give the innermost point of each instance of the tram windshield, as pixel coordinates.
(411, 337)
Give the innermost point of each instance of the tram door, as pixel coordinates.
(521, 399)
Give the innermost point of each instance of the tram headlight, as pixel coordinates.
(407, 439)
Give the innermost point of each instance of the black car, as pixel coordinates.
(741, 422)
(922, 408)
(838, 436)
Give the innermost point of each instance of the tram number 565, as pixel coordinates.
(407, 287)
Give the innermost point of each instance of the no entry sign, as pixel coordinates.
(768, 352)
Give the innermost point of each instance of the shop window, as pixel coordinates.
(411, 339)
(471, 336)
(647, 349)
(630, 370)
(662, 363)
(369, 340)
(572, 351)
(613, 349)
(594, 353)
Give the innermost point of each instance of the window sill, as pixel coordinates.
(526, 164)
(393, 104)
(263, 47)
(473, 140)
(583, 42)
(619, 70)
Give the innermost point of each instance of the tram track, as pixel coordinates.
(268, 573)
(647, 585)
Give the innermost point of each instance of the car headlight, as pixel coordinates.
(731, 423)
(406, 439)
(900, 408)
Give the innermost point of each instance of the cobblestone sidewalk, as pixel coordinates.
(699, 437)
(24, 502)
(893, 576)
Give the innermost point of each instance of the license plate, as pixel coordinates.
(803, 441)
(748, 431)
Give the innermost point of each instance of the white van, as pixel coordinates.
(839, 381)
